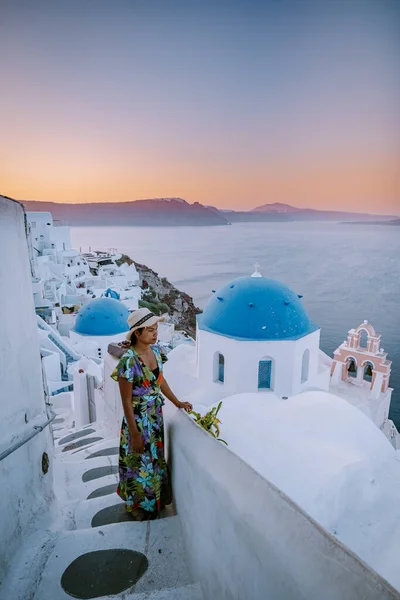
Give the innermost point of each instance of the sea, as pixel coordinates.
(346, 273)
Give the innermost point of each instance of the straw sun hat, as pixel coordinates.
(143, 317)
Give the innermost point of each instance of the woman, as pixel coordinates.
(143, 475)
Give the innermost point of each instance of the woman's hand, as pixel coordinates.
(136, 443)
(186, 406)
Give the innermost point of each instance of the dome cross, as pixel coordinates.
(256, 270)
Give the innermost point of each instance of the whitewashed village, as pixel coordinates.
(301, 502)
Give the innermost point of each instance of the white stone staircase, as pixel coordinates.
(53, 335)
(50, 551)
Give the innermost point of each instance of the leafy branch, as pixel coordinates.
(209, 422)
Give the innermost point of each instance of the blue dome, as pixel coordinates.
(256, 308)
(104, 316)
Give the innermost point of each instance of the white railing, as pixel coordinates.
(58, 341)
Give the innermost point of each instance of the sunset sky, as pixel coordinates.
(231, 103)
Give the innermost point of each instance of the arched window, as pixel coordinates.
(368, 371)
(265, 374)
(351, 368)
(305, 365)
(219, 367)
(363, 338)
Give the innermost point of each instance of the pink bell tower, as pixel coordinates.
(360, 360)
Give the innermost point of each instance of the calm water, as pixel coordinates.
(347, 273)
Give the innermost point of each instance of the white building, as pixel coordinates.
(65, 280)
(254, 335)
(45, 235)
(98, 324)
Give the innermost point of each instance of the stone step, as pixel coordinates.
(104, 447)
(79, 559)
(83, 490)
(37, 572)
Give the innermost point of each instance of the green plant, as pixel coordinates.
(164, 308)
(149, 295)
(209, 421)
(158, 308)
(150, 305)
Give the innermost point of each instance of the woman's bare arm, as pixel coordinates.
(168, 393)
(125, 388)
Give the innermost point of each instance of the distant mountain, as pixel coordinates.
(215, 209)
(292, 213)
(278, 211)
(176, 211)
(234, 216)
(276, 207)
(151, 212)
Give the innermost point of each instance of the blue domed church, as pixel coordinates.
(255, 335)
(100, 322)
(103, 316)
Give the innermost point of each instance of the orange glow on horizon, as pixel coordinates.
(370, 187)
(232, 107)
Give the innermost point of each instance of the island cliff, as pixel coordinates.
(160, 296)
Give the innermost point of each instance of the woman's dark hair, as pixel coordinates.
(134, 337)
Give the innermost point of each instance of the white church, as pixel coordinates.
(254, 336)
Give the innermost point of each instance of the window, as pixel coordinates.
(219, 367)
(352, 368)
(368, 371)
(305, 365)
(363, 338)
(264, 374)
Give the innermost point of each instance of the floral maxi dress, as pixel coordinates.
(143, 478)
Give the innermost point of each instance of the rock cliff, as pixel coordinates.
(160, 296)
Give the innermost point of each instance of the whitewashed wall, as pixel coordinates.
(246, 540)
(51, 365)
(111, 411)
(61, 236)
(99, 342)
(25, 490)
(242, 358)
(41, 225)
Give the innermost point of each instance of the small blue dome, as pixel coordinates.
(103, 316)
(256, 308)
